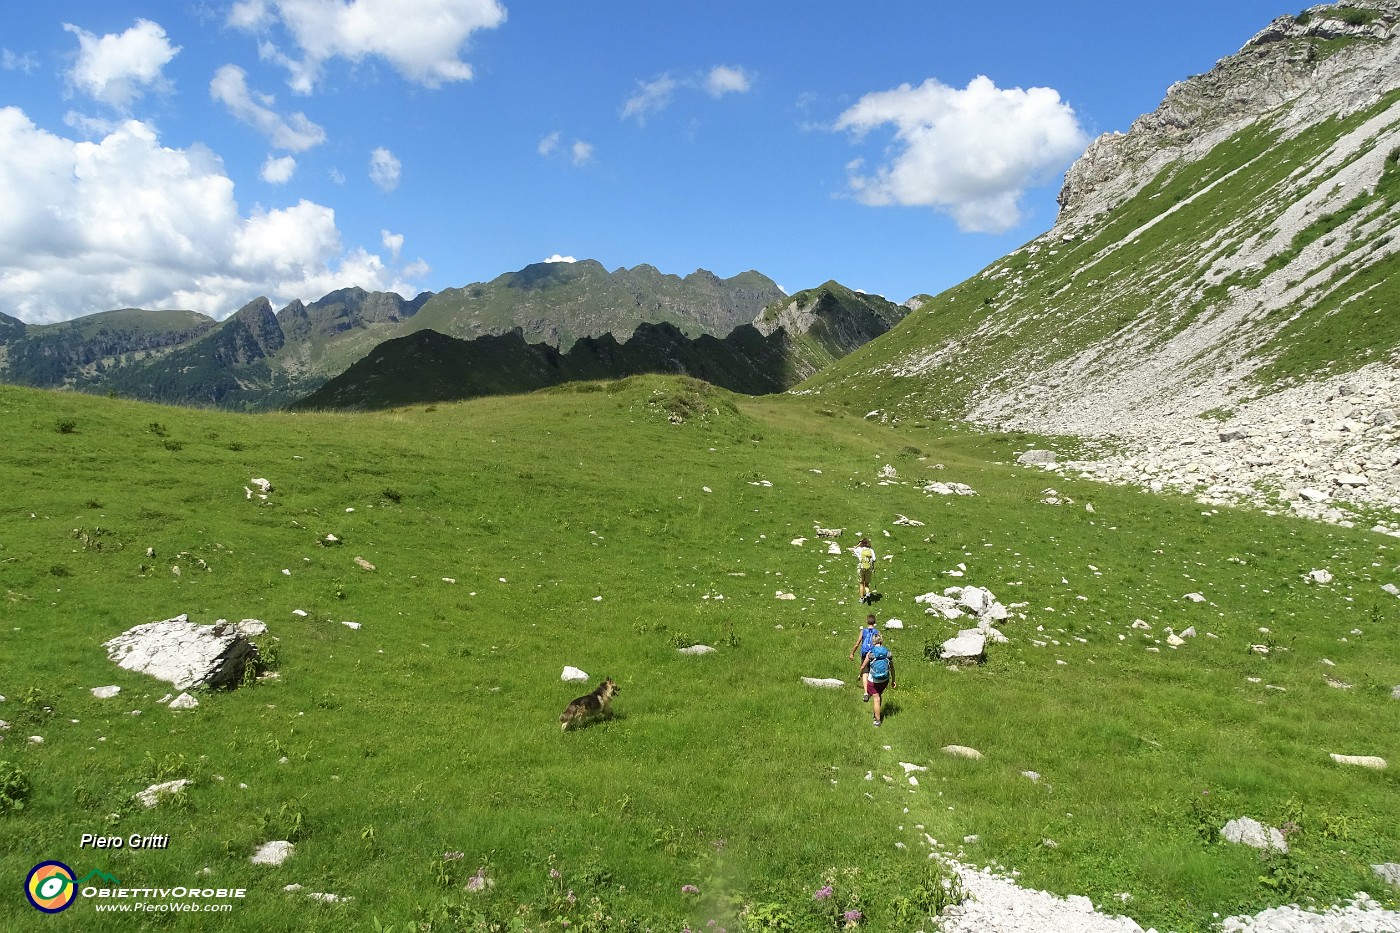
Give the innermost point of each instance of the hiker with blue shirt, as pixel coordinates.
(864, 642)
(879, 671)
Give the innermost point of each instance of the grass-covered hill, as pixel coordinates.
(789, 341)
(1237, 240)
(604, 526)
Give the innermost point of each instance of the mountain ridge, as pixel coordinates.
(786, 343)
(257, 358)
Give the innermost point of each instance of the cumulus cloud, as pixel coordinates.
(971, 153)
(581, 152)
(549, 144)
(71, 242)
(118, 69)
(723, 79)
(294, 133)
(421, 39)
(557, 258)
(393, 242)
(278, 171)
(384, 169)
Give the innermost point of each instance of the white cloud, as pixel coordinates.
(384, 169)
(90, 126)
(421, 39)
(393, 242)
(14, 61)
(294, 133)
(549, 144)
(723, 79)
(73, 241)
(970, 153)
(651, 97)
(582, 152)
(118, 69)
(278, 171)
(557, 258)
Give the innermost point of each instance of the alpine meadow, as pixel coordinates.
(1148, 464)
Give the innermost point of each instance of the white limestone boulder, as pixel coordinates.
(968, 646)
(183, 653)
(1251, 832)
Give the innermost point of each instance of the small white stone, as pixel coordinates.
(962, 751)
(1363, 761)
(272, 853)
(103, 693)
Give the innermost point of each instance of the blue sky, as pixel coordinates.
(166, 154)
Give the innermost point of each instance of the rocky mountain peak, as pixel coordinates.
(1337, 56)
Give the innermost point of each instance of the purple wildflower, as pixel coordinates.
(571, 899)
(851, 916)
(554, 873)
(823, 893)
(689, 889)
(477, 881)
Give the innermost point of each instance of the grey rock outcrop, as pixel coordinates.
(1251, 832)
(183, 653)
(1269, 71)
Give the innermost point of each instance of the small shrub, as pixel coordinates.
(236, 447)
(174, 445)
(66, 425)
(729, 638)
(59, 570)
(14, 787)
(286, 822)
(927, 894)
(393, 495)
(169, 768)
(156, 428)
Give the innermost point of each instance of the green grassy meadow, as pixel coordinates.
(383, 752)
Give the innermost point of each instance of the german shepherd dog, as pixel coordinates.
(597, 703)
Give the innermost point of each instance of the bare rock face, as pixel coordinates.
(183, 653)
(1272, 69)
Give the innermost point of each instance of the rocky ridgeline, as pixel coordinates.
(1328, 450)
(1201, 111)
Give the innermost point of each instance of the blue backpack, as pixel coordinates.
(879, 663)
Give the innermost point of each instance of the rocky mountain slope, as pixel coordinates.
(258, 359)
(1233, 244)
(788, 341)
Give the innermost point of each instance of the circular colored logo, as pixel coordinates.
(50, 887)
